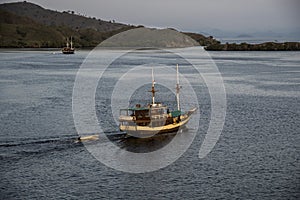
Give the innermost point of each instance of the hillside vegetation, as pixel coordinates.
(203, 40)
(54, 18)
(28, 25)
(25, 24)
(267, 46)
(150, 37)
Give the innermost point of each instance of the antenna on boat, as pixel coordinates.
(177, 88)
(153, 89)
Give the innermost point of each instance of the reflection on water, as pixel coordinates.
(145, 145)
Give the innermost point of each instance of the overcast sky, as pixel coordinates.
(190, 15)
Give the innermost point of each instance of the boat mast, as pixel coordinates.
(153, 89)
(71, 43)
(177, 89)
(67, 42)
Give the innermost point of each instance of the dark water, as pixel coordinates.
(256, 157)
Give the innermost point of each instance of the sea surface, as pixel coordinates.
(256, 157)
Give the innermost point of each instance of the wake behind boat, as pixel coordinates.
(154, 118)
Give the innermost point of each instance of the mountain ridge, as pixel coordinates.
(55, 18)
(48, 28)
(24, 24)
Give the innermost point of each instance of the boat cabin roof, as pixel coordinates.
(135, 108)
(176, 113)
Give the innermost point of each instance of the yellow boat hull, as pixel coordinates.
(148, 131)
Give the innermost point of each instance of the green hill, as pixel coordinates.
(203, 40)
(17, 31)
(39, 27)
(150, 37)
(55, 18)
(25, 24)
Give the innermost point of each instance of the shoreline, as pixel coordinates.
(265, 46)
(219, 47)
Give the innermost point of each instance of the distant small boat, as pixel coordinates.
(69, 48)
(153, 118)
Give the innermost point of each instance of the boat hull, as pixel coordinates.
(68, 52)
(148, 131)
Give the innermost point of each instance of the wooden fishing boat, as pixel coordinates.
(68, 49)
(154, 118)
